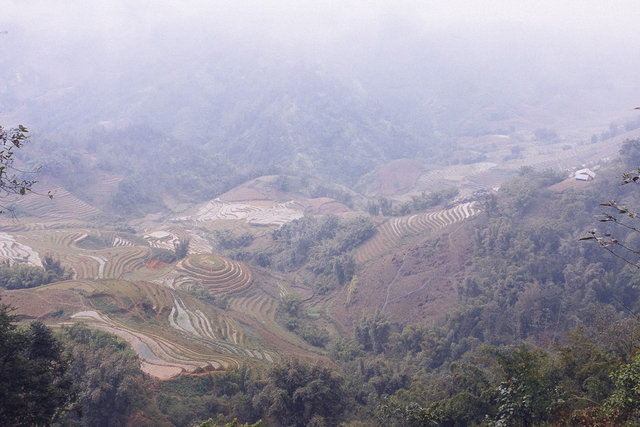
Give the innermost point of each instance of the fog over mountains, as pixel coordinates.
(283, 78)
(321, 212)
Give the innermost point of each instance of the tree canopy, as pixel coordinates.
(36, 388)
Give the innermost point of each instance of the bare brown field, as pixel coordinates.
(324, 206)
(397, 177)
(414, 281)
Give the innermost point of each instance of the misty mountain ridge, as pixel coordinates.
(263, 109)
(351, 213)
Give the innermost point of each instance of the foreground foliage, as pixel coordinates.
(35, 386)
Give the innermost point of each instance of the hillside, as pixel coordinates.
(219, 312)
(319, 213)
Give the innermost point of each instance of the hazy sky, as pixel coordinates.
(585, 43)
(303, 20)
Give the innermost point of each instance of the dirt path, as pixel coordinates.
(386, 300)
(453, 248)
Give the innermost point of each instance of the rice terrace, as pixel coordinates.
(223, 214)
(203, 312)
(210, 310)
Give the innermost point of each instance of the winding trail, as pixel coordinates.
(386, 300)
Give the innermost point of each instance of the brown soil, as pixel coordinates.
(569, 183)
(156, 264)
(324, 206)
(161, 372)
(416, 282)
(39, 303)
(262, 188)
(397, 177)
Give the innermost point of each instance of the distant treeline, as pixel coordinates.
(320, 245)
(385, 207)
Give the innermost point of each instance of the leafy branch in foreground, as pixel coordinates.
(630, 152)
(608, 241)
(12, 179)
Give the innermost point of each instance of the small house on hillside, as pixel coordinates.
(585, 174)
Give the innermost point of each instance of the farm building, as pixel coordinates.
(585, 175)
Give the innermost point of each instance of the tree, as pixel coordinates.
(526, 396)
(35, 387)
(630, 152)
(623, 406)
(11, 178)
(296, 394)
(181, 247)
(373, 332)
(107, 374)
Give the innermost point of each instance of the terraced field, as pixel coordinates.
(63, 206)
(221, 333)
(391, 233)
(154, 307)
(113, 257)
(105, 187)
(259, 305)
(13, 251)
(219, 275)
(197, 243)
(255, 213)
(29, 224)
(171, 332)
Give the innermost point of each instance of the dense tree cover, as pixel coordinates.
(35, 386)
(621, 238)
(322, 245)
(228, 240)
(291, 314)
(107, 377)
(181, 247)
(384, 206)
(288, 393)
(189, 172)
(372, 332)
(530, 280)
(20, 276)
(296, 394)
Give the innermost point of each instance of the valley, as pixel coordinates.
(244, 214)
(171, 314)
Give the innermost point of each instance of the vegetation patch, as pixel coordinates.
(293, 317)
(93, 242)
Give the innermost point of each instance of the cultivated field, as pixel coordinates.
(254, 213)
(12, 251)
(391, 233)
(217, 274)
(171, 313)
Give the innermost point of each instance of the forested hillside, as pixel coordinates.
(310, 214)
